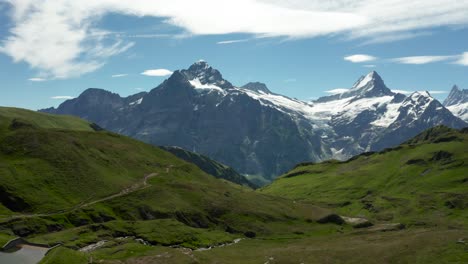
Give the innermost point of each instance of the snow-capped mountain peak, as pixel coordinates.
(371, 77)
(257, 87)
(202, 75)
(457, 102)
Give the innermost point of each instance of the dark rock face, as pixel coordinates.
(456, 96)
(258, 132)
(257, 87)
(225, 124)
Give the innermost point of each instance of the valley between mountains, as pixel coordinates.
(262, 134)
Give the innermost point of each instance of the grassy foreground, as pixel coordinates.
(66, 181)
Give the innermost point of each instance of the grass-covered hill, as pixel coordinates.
(66, 181)
(210, 166)
(423, 182)
(61, 177)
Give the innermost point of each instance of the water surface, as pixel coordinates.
(24, 255)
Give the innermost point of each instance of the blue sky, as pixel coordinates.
(57, 50)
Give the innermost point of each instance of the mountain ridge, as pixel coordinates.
(260, 133)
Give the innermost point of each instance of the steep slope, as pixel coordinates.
(85, 186)
(255, 131)
(421, 182)
(370, 117)
(196, 109)
(457, 102)
(210, 166)
(8, 114)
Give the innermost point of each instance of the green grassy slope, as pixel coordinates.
(210, 166)
(43, 120)
(64, 182)
(421, 182)
(56, 181)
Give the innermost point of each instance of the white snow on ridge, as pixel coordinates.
(208, 86)
(459, 110)
(320, 111)
(280, 102)
(422, 99)
(389, 116)
(369, 77)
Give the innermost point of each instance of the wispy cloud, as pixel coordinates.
(337, 90)
(369, 65)
(62, 39)
(150, 36)
(119, 75)
(62, 97)
(290, 80)
(422, 59)
(410, 92)
(401, 91)
(231, 41)
(37, 79)
(463, 59)
(157, 72)
(358, 58)
(392, 37)
(438, 92)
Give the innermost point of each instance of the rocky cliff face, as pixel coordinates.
(256, 131)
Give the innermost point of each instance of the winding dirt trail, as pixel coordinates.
(135, 187)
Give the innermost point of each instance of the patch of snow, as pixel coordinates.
(137, 102)
(389, 116)
(207, 86)
(460, 110)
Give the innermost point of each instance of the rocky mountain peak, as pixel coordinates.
(456, 96)
(257, 87)
(201, 72)
(370, 85)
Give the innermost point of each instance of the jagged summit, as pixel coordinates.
(257, 87)
(372, 77)
(368, 86)
(202, 75)
(456, 96)
(457, 102)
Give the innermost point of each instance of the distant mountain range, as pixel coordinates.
(260, 133)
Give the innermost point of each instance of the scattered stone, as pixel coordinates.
(93, 247)
(144, 242)
(461, 241)
(331, 218)
(357, 222)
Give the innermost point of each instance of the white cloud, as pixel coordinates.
(463, 59)
(37, 79)
(61, 39)
(337, 91)
(369, 66)
(437, 92)
(119, 75)
(401, 91)
(290, 80)
(157, 72)
(231, 41)
(62, 97)
(422, 59)
(358, 58)
(410, 92)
